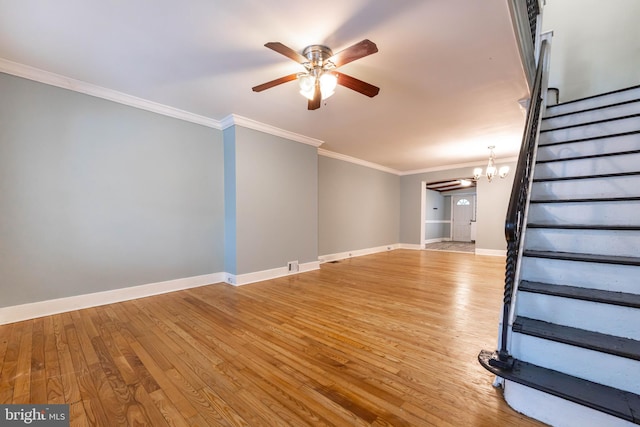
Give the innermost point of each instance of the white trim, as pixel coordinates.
(423, 213)
(274, 273)
(32, 310)
(456, 166)
(359, 252)
(491, 252)
(234, 119)
(52, 79)
(437, 221)
(354, 160)
(411, 246)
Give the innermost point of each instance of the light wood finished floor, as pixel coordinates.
(385, 339)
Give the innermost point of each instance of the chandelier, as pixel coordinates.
(491, 170)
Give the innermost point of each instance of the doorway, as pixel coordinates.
(463, 216)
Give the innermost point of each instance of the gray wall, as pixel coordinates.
(595, 46)
(276, 183)
(437, 208)
(95, 195)
(492, 203)
(491, 198)
(358, 207)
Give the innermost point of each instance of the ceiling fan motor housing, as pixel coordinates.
(317, 55)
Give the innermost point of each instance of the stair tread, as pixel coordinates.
(589, 138)
(586, 110)
(588, 294)
(587, 200)
(589, 156)
(611, 227)
(617, 346)
(593, 122)
(599, 95)
(610, 400)
(596, 176)
(570, 256)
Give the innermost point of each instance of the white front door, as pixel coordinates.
(464, 207)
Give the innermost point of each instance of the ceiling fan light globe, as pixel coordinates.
(326, 95)
(328, 83)
(306, 82)
(307, 94)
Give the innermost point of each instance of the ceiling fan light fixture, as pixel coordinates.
(318, 81)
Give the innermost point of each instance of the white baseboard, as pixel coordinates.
(358, 252)
(32, 310)
(491, 252)
(274, 273)
(410, 246)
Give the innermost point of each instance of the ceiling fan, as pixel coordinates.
(320, 78)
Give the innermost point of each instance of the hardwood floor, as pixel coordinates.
(385, 339)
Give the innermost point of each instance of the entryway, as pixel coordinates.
(463, 217)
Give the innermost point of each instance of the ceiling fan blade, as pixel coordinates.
(286, 51)
(357, 85)
(275, 82)
(357, 51)
(314, 103)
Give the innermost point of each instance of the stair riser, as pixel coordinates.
(603, 368)
(588, 213)
(614, 144)
(599, 242)
(585, 104)
(613, 112)
(587, 167)
(622, 186)
(556, 411)
(591, 316)
(591, 130)
(608, 277)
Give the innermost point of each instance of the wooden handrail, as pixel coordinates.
(517, 203)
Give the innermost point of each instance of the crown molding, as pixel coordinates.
(456, 166)
(52, 79)
(234, 119)
(344, 157)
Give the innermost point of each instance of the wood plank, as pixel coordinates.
(22, 383)
(55, 390)
(171, 414)
(379, 340)
(8, 369)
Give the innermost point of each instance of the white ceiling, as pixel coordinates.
(449, 70)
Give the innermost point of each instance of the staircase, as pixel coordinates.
(575, 335)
